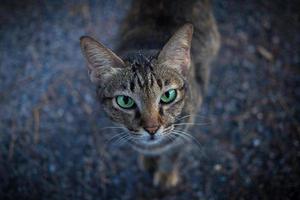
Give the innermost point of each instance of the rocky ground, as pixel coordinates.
(51, 142)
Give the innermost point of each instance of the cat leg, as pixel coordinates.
(167, 179)
(148, 163)
(167, 173)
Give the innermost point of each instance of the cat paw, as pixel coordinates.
(147, 163)
(167, 180)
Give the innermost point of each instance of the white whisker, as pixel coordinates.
(191, 115)
(181, 118)
(112, 127)
(196, 124)
(115, 136)
(121, 140)
(188, 136)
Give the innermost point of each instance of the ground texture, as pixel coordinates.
(51, 142)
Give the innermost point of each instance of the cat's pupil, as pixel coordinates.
(167, 94)
(126, 100)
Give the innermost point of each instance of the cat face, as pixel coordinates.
(145, 95)
(145, 101)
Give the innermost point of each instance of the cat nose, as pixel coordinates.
(151, 130)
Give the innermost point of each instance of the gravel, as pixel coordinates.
(52, 141)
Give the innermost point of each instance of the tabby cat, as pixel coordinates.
(154, 84)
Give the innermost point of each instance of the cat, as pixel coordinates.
(155, 82)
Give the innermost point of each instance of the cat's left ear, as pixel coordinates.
(102, 62)
(176, 53)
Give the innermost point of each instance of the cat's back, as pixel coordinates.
(150, 23)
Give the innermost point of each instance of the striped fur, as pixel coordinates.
(156, 53)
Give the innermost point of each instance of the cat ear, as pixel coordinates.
(102, 62)
(176, 53)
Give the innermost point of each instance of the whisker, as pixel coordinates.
(180, 139)
(171, 137)
(121, 140)
(131, 141)
(116, 136)
(192, 138)
(135, 138)
(181, 118)
(191, 115)
(167, 130)
(112, 127)
(196, 124)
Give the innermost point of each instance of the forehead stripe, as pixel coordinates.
(167, 82)
(132, 85)
(124, 86)
(151, 79)
(139, 81)
(159, 83)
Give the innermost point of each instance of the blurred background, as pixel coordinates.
(52, 141)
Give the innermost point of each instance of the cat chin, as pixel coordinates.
(153, 149)
(153, 152)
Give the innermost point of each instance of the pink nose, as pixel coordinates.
(151, 130)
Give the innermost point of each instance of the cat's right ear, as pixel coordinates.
(101, 61)
(176, 52)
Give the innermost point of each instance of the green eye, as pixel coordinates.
(125, 102)
(168, 96)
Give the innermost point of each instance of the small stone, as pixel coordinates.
(265, 53)
(256, 142)
(52, 168)
(259, 115)
(217, 167)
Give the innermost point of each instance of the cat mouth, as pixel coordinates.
(152, 138)
(156, 144)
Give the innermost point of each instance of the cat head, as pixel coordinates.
(143, 94)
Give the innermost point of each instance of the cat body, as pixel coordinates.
(156, 81)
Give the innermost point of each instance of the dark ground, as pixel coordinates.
(52, 144)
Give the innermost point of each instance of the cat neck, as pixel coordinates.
(142, 39)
